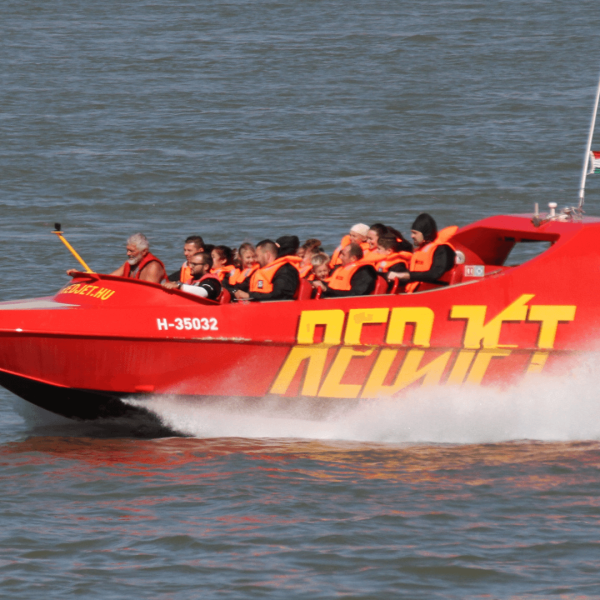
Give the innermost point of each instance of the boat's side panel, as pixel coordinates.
(117, 336)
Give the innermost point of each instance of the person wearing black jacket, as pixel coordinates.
(201, 283)
(351, 278)
(424, 231)
(192, 245)
(283, 283)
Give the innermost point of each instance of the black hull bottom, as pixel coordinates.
(85, 405)
(108, 410)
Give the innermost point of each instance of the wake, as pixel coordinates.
(541, 407)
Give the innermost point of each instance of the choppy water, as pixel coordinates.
(240, 120)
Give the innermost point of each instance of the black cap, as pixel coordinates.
(288, 245)
(426, 225)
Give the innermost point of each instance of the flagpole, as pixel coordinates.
(586, 156)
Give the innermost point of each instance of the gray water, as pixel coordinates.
(244, 120)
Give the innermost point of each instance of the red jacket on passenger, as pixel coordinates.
(147, 259)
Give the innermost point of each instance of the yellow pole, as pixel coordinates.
(73, 251)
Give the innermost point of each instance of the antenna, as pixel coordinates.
(586, 156)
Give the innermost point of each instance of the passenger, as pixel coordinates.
(222, 259)
(310, 247)
(277, 278)
(201, 283)
(432, 257)
(287, 245)
(404, 244)
(192, 245)
(372, 255)
(240, 278)
(320, 266)
(141, 264)
(352, 278)
(357, 235)
(394, 260)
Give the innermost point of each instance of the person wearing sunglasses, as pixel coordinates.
(201, 283)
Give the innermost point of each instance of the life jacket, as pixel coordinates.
(239, 276)
(293, 260)
(262, 279)
(306, 272)
(372, 257)
(223, 272)
(336, 253)
(211, 276)
(422, 257)
(383, 266)
(196, 283)
(341, 278)
(335, 257)
(147, 259)
(185, 272)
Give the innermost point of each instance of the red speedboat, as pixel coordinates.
(103, 339)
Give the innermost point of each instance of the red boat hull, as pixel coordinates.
(104, 338)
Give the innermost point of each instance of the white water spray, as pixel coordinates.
(548, 408)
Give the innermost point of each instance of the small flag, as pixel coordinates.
(594, 163)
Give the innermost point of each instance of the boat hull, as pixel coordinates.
(103, 339)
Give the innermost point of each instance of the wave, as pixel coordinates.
(546, 408)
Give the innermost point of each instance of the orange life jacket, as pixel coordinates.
(222, 272)
(372, 257)
(211, 276)
(336, 253)
(383, 266)
(422, 257)
(185, 272)
(294, 260)
(335, 257)
(341, 278)
(240, 275)
(193, 282)
(147, 259)
(262, 279)
(306, 272)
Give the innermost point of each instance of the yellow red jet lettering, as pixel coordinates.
(315, 357)
(478, 334)
(481, 344)
(549, 317)
(332, 386)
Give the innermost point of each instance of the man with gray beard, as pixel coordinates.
(140, 263)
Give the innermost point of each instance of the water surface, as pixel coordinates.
(243, 120)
